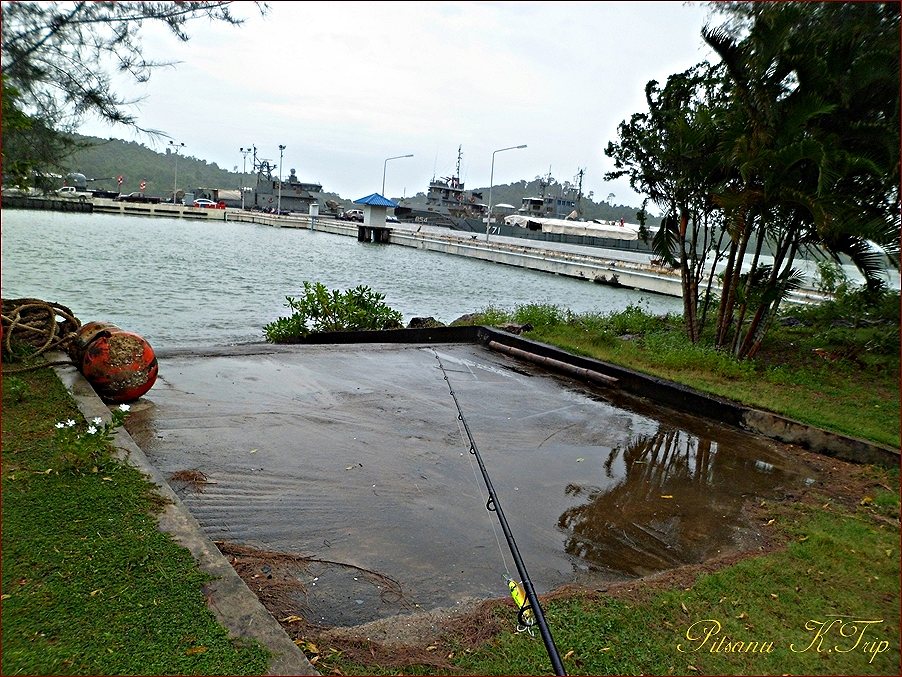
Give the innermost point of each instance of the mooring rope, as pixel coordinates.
(494, 505)
(40, 325)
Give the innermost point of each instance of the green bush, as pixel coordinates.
(540, 315)
(851, 307)
(322, 310)
(491, 316)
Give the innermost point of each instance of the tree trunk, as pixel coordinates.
(731, 278)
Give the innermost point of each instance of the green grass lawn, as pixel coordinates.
(89, 585)
(854, 390)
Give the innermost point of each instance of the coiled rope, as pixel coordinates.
(41, 326)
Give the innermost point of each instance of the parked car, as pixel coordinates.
(139, 197)
(352, 215)
(73, 192)
(208, 204)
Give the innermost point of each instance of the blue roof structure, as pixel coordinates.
(376, 200)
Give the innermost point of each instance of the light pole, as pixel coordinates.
(175, 181)
(488, 218)
(384, 165)
(244, 152)
(279, 201)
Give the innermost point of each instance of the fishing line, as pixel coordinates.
(507, 570)
(494, 505)
(525, 619)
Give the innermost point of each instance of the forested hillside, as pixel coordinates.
(106, 159)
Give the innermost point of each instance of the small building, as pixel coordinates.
(375, 209)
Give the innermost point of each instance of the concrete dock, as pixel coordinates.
(615, 267)
(348, 458)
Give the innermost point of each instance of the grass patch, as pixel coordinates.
(90, 585)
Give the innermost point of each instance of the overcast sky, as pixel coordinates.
(345, 85)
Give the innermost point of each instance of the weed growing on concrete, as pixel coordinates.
(86, 450)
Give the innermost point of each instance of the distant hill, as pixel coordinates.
(105, 159)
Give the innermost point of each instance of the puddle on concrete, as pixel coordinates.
(355, 455)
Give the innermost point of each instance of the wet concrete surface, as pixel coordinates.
(354, 456)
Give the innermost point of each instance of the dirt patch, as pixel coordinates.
(431, 638)
(193, 480)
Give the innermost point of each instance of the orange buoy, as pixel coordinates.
(120, 365)
(85, 335)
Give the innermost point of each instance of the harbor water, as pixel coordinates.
(183, 284)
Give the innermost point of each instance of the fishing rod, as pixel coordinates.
(494, 505)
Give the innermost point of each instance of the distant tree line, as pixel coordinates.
(104, 160)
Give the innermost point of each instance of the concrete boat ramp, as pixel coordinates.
(351, 456)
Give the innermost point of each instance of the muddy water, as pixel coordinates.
(354, 456)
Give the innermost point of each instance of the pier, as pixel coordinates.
(615, 267)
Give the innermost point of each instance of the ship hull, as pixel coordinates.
(478, 227)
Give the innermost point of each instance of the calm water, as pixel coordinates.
(183, 283)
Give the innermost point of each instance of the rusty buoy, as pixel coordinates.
(120, 365)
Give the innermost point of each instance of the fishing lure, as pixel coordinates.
(525, 618)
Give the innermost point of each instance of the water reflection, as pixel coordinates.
(669, 499)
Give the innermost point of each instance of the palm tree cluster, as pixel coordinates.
(789, 145)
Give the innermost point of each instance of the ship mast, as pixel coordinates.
(579, 190)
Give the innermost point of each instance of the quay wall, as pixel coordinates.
(606, 266)
(601, 269)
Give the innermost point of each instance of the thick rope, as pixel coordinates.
(41, 325)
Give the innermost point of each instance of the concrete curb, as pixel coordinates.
(720, 409)
(231, 601)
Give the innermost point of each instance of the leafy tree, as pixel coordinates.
(795, 147)
(814, 135)
(669, 154)
(58, 59)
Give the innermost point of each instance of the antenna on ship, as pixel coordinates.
(579, 190)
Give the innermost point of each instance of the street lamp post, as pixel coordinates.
(244, 152)
(488, 218)
(384, 165)
(279, 201)
(175, 181)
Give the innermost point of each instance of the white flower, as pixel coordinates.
(70, 423)
(124, 407)
(97, 420)
(91, 430)
(60, 425)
